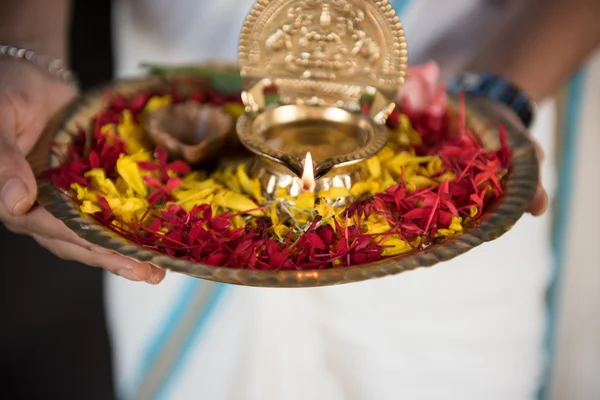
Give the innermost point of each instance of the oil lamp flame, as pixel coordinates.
(308, 176)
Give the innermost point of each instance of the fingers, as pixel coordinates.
(18, 188)
(102, 258)
(41, 223)
(539, 205)
(64, 243)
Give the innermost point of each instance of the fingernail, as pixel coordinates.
(155, 278)
(14, 196)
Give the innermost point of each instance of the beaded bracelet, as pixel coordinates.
(495, 88)
(54, 67)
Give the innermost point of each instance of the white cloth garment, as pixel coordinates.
(467, 329)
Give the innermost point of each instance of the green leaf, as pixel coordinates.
(223, 81)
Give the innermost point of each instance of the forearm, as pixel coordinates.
(40, 25)
(544, 45)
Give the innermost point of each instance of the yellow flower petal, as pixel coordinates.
(447, 176)
(89, 208)
(84, 193)
(193, 194)
(374, 167)
(301, 217)
(281, 231)
(406, 127)
(238, 221)
(157, 102)
(249, 186)
(233, 109)
(473, 211)
(434, 166)
(363, 187)
(281, 193)
(456, 224)
(196, 178)
(306, 201)
(188, 204)
(375, 224)
(396, 247)
(274, 213)
(385, 154)
(130, 132)
(411, 187)
(386, 180)
(100, 181)
(448, 233)
(141, 155)
(237, 202)
(130, 172)
(189, 198)
(324, 209)
(334, 193)
(421, 181)
(127, 208)
(230, 180)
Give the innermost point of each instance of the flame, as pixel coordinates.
(308, 175)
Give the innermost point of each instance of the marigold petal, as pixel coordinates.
(334, 193)
(130, 172)
(238, 202)
(233, 109)
(363, 187)
(281, 231)
(374, 167)
(306, 201)
(89, 208)
(394, 246)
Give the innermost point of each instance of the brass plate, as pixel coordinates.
(520, 187)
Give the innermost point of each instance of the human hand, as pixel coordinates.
(423, 91)
(28, 98)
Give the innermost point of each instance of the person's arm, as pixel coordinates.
(29, 96)
(544, 45)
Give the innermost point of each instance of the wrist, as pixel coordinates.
(52, 45)
(52, 67)
(497, 89)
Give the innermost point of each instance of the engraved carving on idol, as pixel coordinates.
(323, 40)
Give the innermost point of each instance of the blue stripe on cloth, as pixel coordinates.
(194, 336)
(570, 135)
(400, 6)
(165, 331)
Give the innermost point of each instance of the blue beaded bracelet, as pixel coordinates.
(497, 89)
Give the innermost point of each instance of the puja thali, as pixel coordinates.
(296, 168)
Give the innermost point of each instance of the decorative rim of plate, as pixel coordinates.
(497, 219)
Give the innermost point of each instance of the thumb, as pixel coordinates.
(18, 187)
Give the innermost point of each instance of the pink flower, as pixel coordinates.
(423, 90)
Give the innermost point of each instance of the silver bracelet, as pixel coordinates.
(54, 67)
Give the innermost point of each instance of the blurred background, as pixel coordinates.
(573, 336)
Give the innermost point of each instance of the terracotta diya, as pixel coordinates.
(313, 137)
(190, 131)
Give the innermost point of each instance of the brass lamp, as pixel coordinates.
(322, 58)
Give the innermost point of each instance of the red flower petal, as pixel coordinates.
(179, 167)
